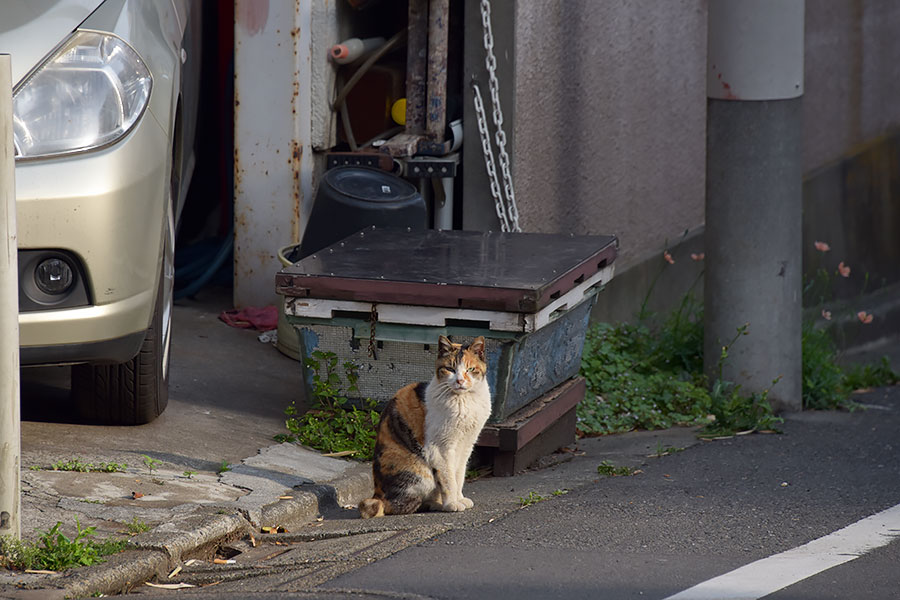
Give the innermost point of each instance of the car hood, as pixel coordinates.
(30, 30)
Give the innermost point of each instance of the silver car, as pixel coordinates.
(104, 103)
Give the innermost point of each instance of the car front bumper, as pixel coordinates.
(107, 209)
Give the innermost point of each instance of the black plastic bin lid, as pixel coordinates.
(351, 198)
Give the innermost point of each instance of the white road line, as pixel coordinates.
(776, 572)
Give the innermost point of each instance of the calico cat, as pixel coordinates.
(426, 434)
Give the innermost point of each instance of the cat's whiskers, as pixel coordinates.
(444, 391)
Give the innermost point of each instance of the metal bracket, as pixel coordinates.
(423, 167)
(376, 160)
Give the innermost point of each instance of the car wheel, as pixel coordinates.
(136, 391)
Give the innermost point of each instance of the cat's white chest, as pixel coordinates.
(457, 417)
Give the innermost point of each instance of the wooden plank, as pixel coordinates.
(558, 434)
(526, 424)
(572, 298)
(402, 292)
(405, 314)
(436, 316)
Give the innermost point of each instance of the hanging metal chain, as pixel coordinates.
(499, 205)
(504, 205)
(373, 318)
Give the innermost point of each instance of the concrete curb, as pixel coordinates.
(117, 575)
(162, 549)
(311, 499)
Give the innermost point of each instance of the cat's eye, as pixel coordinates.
(471, 369)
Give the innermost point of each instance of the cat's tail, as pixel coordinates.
(371, 507)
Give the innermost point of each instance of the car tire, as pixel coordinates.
(137, 391)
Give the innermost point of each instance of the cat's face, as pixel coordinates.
(459, 368)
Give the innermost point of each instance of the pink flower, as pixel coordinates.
(864, 317)
(822, 246)
(699, 256)
(668, 257)
(843, 269)
(826, 314)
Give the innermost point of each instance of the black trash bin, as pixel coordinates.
(352, 198)
(349, 199)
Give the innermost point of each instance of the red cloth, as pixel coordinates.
(252, 317)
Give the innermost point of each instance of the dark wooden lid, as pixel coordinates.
(514, 272)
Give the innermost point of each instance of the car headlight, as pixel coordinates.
(87, 94)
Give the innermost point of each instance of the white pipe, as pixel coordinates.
(351, 49)
(443, 203)
(10, 440)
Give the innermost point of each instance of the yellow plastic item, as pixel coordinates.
(398, 111)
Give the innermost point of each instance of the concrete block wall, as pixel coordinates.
(608, 118)
(852, 77)
(611, 128)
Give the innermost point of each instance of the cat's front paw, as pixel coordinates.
(467, 502)
(455, 506)
(433, 505)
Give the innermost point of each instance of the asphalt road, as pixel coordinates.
(687, 518)
(684, 519)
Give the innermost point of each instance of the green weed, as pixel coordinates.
(223, 467)
(734, 413)
(644, 376)
(665, 450)
(531, 498)
(54, 551)
(137, 526)
(827, 386)
(75, 464)
(822, 377)
(608, 469)
(151, 463)
(857, 377)
(331, 426)
(335, 431)
(649, 375)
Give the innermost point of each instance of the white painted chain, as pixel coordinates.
(505, 204)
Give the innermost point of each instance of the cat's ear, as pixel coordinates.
(478, 347)
(445, 346)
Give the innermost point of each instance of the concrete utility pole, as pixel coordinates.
(754, 194)
(10, 441)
